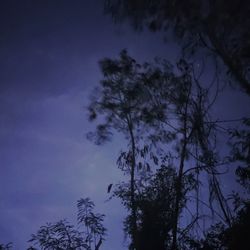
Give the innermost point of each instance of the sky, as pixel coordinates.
(49, 53)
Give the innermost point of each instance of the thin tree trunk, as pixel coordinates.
(216, 186)
(178, 195)
(180, 175)
(132, 189)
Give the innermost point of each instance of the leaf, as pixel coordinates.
(109, 187)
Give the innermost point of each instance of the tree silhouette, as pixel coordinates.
(6, 246)
(155, 202)
(236, 235)
(62, 235)
(215, 28)
(119, 102)
(157, 107)
(95, 231)
(240, 141)
(230, 238)
(59, 235)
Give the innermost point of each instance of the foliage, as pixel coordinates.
(59, 235)
(6, 246)
(163, 111)
(229, 238)
(93, 223)
(215, 28)
(164, 114)
(172, 119)
(117, 100)
(62, 235)
(240, 142)
(155, 201)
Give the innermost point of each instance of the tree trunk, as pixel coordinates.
(132, 189)
(178, 194)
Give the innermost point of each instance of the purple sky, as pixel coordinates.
(48, 62)
(48, 59)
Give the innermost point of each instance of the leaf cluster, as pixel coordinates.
(61, 235)
(218, 29)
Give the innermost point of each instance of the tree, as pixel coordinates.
(95, 231)
(229, 238)
(236, 235)
(155, 200)
(6, 246)
(119, 102)
(189, 128)
(158, 106)
(62, 235)
(240, 142)
(59, 235)
(216, 28)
